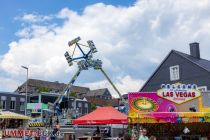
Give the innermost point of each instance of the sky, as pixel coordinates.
(132, 38)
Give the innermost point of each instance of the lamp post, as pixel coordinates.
(26, 89)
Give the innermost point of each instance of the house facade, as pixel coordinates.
(13, 102)
(100, 94)
(182, 68)
(69, 103)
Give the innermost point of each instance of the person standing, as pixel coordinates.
(97, 131)
(50, 123)
(134, 133)
(143, 134)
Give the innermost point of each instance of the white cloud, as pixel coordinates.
(7, 83)
(123, 84)
(33, 18)
(131, 40)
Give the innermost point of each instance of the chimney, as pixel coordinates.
(194, 50)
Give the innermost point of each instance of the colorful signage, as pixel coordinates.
(36, 106)
(150, 108)
(34, 133)
(179, 93)
(144, 104)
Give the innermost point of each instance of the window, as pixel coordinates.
(3, 103)
(202, 88)
(174, 73)
(12, 103)
(80, 105)
(80, 110)
(72, 104)
(86, 108)
(22, 106)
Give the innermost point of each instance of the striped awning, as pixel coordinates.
(12, 115)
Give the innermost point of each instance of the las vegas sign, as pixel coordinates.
(179, 93)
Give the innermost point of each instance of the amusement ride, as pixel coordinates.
(84, 62)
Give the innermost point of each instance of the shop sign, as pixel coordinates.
(37, 106)
(36, 110)
(179, 93)
(34, 133)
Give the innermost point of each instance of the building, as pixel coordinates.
(100, 94)
(183, 68)
(171, 99)
(102, 102)
(81, 106)
(37, 86)
(13, 102)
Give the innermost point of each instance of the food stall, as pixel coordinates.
(170, 111)
(39, 113)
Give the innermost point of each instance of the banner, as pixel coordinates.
(150, 108)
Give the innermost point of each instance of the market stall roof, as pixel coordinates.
(103, 115)
(12, 115)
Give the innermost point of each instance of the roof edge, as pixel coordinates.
(157, 69)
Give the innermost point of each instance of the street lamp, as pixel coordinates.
(26, 89)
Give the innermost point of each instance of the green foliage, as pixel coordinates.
(43, 89)
(72, 94)
(93, 106)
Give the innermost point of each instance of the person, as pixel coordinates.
(37, 137)
(107, 132)
(143, 134)
(97, 131)
(50, 123)
(152, 138)
(134, 134)
(54, 133)
(126, 136)
(120, 136)
(57, 120)
(57, 126)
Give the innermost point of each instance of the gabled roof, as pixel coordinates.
(202, 63)
(97, 92)
(103, 102)
(50, 85)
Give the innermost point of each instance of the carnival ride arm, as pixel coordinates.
(107, 77)
(67, 89)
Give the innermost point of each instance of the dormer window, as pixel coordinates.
(174, 73)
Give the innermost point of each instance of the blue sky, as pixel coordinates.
(132, 38)
(10, 9)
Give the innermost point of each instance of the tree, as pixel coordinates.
(72, 94)
(93, 106)
(43, 89)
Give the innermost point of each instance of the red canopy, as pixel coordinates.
(103, 115)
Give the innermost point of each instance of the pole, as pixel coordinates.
(112, 84)
(26, 89)
(26, 93)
